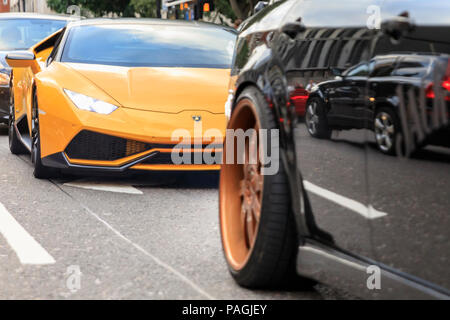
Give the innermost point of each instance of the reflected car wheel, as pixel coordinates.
(386, 130)
(315, 119)
(15, 145)
(256, 223)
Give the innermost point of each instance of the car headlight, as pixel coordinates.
(4, 79)
(90, 104)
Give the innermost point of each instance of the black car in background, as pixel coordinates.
(20, 31)
(366, 96)
(337, 210)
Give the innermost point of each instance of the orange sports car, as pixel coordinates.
(124, 94)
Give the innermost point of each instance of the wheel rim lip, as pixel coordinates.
(382, 134)
(11, 119)
(34, 132)
(232, 248)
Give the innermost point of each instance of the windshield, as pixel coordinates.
(150, 46)
(22, 34)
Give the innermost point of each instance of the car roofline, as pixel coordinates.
(147, 21)
(37, 16)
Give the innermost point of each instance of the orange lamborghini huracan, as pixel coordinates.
(116, 95)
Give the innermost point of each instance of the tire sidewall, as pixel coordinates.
(257, 254)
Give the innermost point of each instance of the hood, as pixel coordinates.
(169, 90)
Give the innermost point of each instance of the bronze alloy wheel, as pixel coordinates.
(241, 191)
(256, 221)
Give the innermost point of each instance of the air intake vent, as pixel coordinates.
(88, 145)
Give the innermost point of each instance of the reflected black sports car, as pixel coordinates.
(337, 210)
(20, 31)
(367, 96)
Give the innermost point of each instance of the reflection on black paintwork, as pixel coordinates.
(394, 95)
(345, 96)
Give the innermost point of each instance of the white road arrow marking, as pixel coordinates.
(366, 211)
(28, 250)
(108, 187)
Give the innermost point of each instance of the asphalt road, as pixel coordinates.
(149, 237)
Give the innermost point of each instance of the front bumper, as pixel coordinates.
(127, 139)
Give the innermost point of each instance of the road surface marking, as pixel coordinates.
(154, 258)
(366, 211)
(158, 261)
(26, 248)
(108, 187)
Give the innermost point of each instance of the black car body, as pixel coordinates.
(339, 210)
(20, 31)
(345, 105)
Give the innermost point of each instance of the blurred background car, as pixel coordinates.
(20, 31)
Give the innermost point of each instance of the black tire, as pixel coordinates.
(15, 145)
(316, 120)
(40, 171)
(271, 262)
(386, 118)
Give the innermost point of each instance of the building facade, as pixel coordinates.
(39, 6)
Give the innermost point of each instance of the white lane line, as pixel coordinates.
(28, 250)
(148, 254)
(366, 211)
(108, 187)
(142, 250)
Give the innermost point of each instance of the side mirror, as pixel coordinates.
(398, 27)
(22, 59)
(259, 6)
(336, 72)
(292, 29)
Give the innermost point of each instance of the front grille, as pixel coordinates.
(166, 158)
(90, 145)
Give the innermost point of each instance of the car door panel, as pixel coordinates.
(413, 188)
(333, 168)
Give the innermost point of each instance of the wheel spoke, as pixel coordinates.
(256, 209)
(253, 148)
(257, 183)
(390, 129)
(311, 110)
(379, 124)
(244, 219)
(388, 141)
(250, 227)
(379, 138)
(243, 188)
